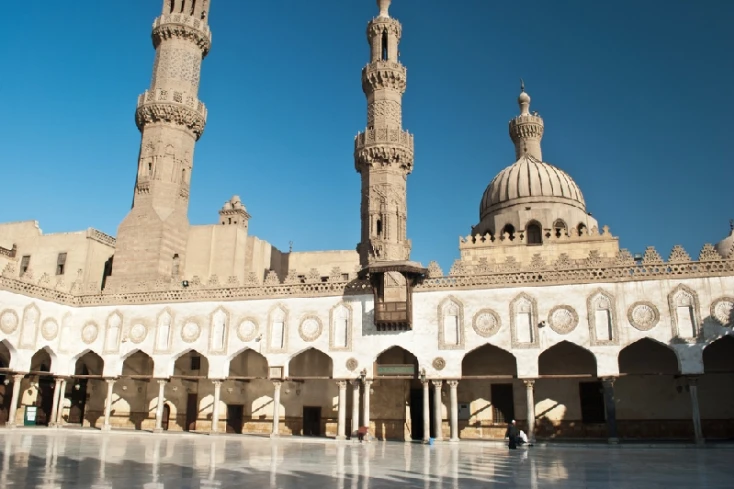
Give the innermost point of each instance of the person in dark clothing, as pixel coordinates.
(512, 433)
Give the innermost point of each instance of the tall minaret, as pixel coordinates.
(526, 130)
(383, 154)
(151, 240)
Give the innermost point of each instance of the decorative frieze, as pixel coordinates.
(563, 319)
(722, 310)
(643, 315)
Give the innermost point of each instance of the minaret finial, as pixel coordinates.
(384, 6)
(731, 224)
(522, 85)
(524, 99)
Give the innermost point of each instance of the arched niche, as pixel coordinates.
(559, 228)
(718, 357)
(89, 363)
(138, 363)
(395, 357)
(191, 363)
(248, 363)
(489, 360)
(42, 359)
(508, 230)
(533, 233)
(5, 354)
(566, 358)
(310, 363)
(648, 356)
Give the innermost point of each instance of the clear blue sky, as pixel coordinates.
(636, 97)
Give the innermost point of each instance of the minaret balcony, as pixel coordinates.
(384, 75)
(182, 26)
(384, 146)
(161, 105)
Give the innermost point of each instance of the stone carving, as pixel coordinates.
(49, 329)
(164, 331)
(602, 316)
(340, 334)
(450, 324)
(624, 258)
(678, 255)
(310, 328)
(313, 276)
(439, 363)
(190, 331)
(537, 262)
(138, 332)
(30, 326)
(722, 310)
(687, 298)
(709, 253)
(252, 279)
(486, 323)
(352, 364)
(183, 27)
(90, 331)
(651, 257)
(248, 329)
(563, 319)
(292, 277)
(10, 269)
(564, 262)
(524, 321)
(180, 114)
(177, 65)
(272, 278)
(9, 321)
(643, 315)
(384, 112)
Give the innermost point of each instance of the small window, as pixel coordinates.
(60, 263)
(510, 230)
(560, 228)
(25, 262)
(582, 229)
(324, 279)
(195, 363)
(379, 227)
(534, 234)
(384, 45)
(345, 277)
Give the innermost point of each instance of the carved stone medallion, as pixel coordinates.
(439, 363)
(310, 328)
(247, 330)
(8, 321)
(563, 319)
(190, 332)
(138, 332)
(352, 364)
(486, 323)
(722, 310)
(89, 333)
(49, 329)
(643, 315)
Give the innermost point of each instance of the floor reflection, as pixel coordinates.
(55, 459)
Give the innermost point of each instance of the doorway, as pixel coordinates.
(311, 421)
(192, 411)
(78, 401)
(44, 400)
(591, 395)
(416, 414)
(235, 414)
(6, 394)
(166, 417)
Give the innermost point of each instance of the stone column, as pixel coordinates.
(342, 422)
(530, 399)
(611, 407)
(453, 386)
(159, 407)
(355, 406)
(17, 379)
(60, 409)
(366, 403)
(215, 408)
(55, 405)
(276, 409)
(437, 408)
(426, 412)
(108, 405)
(695, 411)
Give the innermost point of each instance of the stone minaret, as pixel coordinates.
(383, 154)
(151, 240)
(526, 130)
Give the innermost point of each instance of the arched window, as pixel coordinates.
(510, 230)
(379, 227)
(176, 266)
(534, 234)
(384, 45)
(582, 229)
(560, 228)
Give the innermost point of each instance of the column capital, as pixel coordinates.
(162, 381)
(692, 380)
(111, 380)
(342, 384)
(452, 383)
(355, 382)
(437, 382)
(609, 381)
(425, 382)
(529, 383)
(217, 382)
(18, 377)
(367, 382)
(277, 383)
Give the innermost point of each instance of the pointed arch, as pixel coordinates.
(29, 326)
(560, 228)
(7, 352)
(566, 358)
(524, 321)
(340, 327)
(278, 329)
(164, 331)
(138, 363)
(189, 362)
(218, 330)
(718, 356)
(88, 362)
(248, 363)
(310, 362)
(113, 332)
(450, 316)
(685, 313)
(648, 356)
(489, 359)
(42, 360)
(533, 233)
(395, 356)
(601, 307)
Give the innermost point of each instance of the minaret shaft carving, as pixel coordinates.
(383, 153)
(171, 119)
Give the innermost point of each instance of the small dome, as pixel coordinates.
(725, 247)
(530, 180)
(524, 98)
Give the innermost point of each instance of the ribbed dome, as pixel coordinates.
(725, 247)
(527, 180)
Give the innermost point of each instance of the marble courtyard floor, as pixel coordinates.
(51, 459)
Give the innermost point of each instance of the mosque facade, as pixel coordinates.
(542, 319)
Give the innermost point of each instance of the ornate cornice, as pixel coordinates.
(378, 25)
(161, 106)
(384, 146)
(179, 26)
(380, 75)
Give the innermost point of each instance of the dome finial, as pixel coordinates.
(731, 224)
(524, 99)
(384, 6)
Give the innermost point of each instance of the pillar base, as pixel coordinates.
(214, 433)
(106, 428)
(274, 435)
(341, 437)
(701, 441)
(453, 440)
(158, 430)
(52, 425)
(613, 441)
